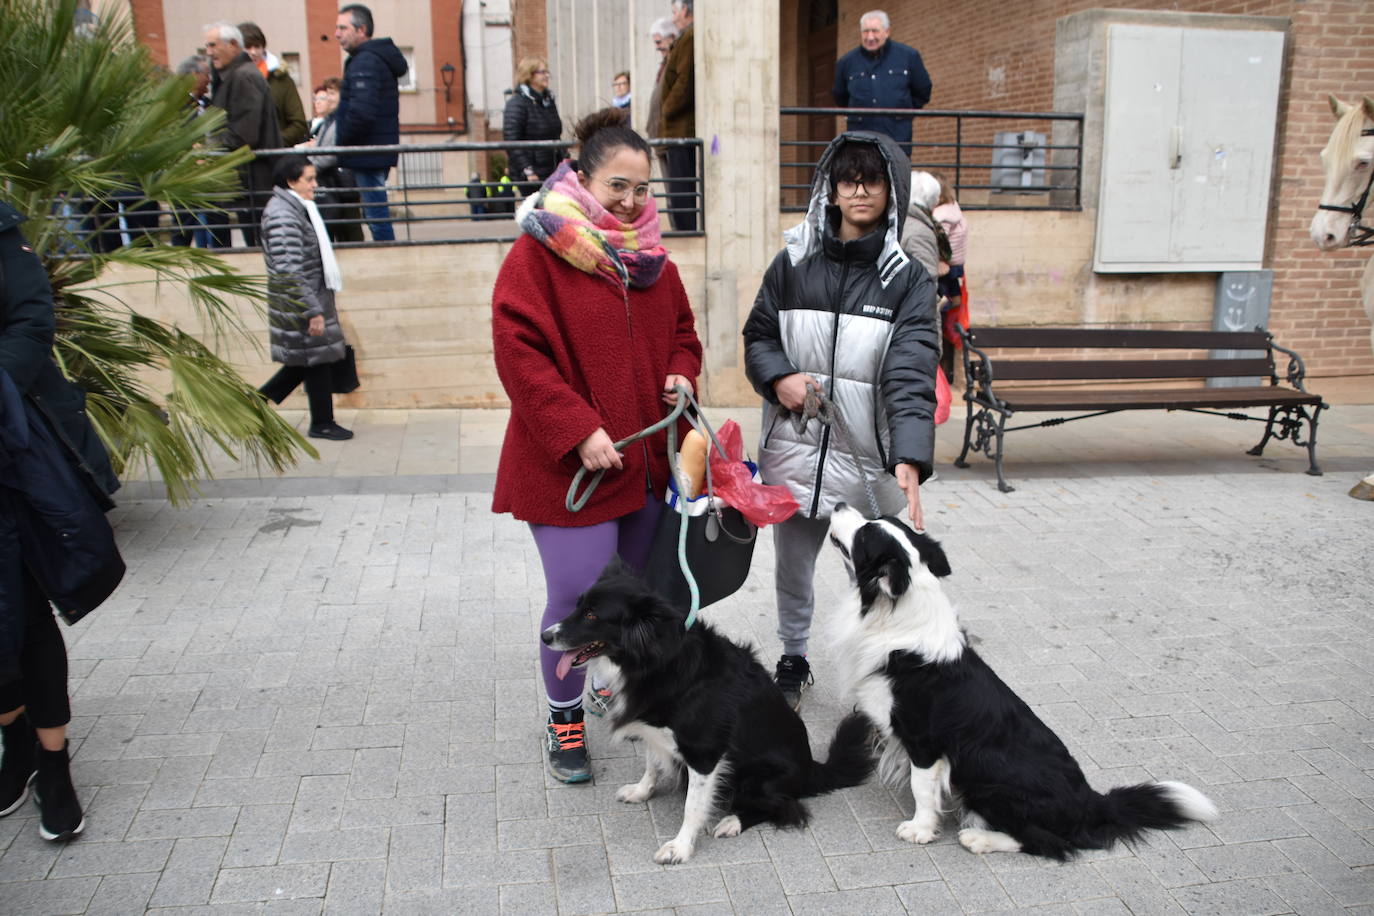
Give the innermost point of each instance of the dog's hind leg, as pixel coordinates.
(928, 787)
(701, 801)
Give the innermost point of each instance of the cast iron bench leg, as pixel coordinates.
(961, 461)
(1313, 468)
(1001, 480)
(1268, 433)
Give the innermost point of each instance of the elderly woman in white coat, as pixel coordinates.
(302, 277)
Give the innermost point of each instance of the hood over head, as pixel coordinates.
(386, 49)
(804, 239)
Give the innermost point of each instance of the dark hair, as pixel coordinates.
(857, 162)
(603, 132)
(332, 82)
(252, 35)
(362, 17)
(288, 169)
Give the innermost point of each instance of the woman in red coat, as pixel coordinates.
(592, 331)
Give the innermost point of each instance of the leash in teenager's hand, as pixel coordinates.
(820, 407)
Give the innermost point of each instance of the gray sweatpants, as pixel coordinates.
(797, 542)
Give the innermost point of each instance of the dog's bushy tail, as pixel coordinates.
(850, 760)
(1126, 812)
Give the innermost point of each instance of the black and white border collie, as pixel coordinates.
(964, 735)
(694, 697)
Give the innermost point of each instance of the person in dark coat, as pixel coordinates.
(250, 119)
(532, 114)
(302, 277)
(881, 73)
(55, 544)
(678, 119)
(843, 309)
(286, 98)
(591, 332)
(369, 112)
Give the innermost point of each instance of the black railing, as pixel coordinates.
(962, 146)
(423, 206)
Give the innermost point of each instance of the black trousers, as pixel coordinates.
(682, 194)
(42, 686)
(319, 389)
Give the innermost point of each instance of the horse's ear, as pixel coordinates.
(1338, 108)
(1368, 108)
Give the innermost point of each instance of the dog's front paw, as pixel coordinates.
(728, 826)
(673, 853)
(633, 794)
(913, 832)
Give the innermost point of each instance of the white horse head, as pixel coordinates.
(1348, 161)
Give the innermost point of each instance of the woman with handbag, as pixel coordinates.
(55, 545)
(592, 332)
(302, 277)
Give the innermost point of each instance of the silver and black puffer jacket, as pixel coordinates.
(296, 290)
(860, 318)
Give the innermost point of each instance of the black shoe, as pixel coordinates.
(330, 431)
(19, 764)
(59, 811)
(565, 742)
(792, 677)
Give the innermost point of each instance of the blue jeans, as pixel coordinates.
(372, 189)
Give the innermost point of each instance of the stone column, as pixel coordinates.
(737, 119)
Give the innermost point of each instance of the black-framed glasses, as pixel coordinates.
(847, 189)
(621, 189)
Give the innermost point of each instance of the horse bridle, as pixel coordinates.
(1359, 234)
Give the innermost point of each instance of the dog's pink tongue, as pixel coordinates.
(565, 664)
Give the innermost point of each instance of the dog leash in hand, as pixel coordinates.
(823, 409)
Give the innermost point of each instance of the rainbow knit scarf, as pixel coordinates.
(566, 218)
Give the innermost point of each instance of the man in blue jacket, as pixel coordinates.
(369, 111)
(881, 74)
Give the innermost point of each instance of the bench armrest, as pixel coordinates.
(1296, 370)
(976, 370)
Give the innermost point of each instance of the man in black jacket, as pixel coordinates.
(369, 111)
(250, 119)
(881, 73)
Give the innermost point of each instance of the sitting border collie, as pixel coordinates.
(941, 710)
(695, 697)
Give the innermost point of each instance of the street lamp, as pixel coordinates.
(446, 74)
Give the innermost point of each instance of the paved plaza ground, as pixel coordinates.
(319, 693)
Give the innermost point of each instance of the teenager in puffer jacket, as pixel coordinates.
(843, 309)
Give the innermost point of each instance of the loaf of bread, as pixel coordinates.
(691, 463)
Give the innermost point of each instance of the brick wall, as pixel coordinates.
(530, 28)
(983, 54)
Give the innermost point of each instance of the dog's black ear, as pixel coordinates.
(880, 564)
(618, 568)
(651, 627)
(932, 554)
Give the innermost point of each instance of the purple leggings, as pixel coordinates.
(572, 559)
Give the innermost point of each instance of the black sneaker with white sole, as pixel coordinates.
(793, 676)
(59, 810)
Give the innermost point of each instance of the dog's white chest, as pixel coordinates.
(873, 696)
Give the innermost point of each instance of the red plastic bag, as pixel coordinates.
(942, 396)
(734, 482)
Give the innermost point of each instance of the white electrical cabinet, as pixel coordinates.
(1188, 147)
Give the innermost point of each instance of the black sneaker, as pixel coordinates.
(331, 431)
(19, 764)
(793, 676)
(59, 810)
(565, 741)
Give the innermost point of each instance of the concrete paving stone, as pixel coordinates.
(29, 858)
(457, 901)
(528, 900)
(1245, 860)
(269, 883)
(257, 836)
(54, 896)
(82, 859)
(237, 754)
(305, 763)
(463, 780)
(119, 894)
(392, 812)
(670, 886)
(190, 872)
(1351, 887)
(1249, 896)
(928, 897)
(356, 888)
(109, 811)
(630, 840)
(319, 803)
(519, 791)
(1303, 895)
(970, 880)
(485, 867)
(1062, 884)
(800, 867)
(1137, 887)
(415, 859)
(1257, 825)
(374, 773)
(275, 790)
(292, 729)
(173, 823)
(335, 845)
(870, 900)
(547, 833)
(582, 878)
(887, 868)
